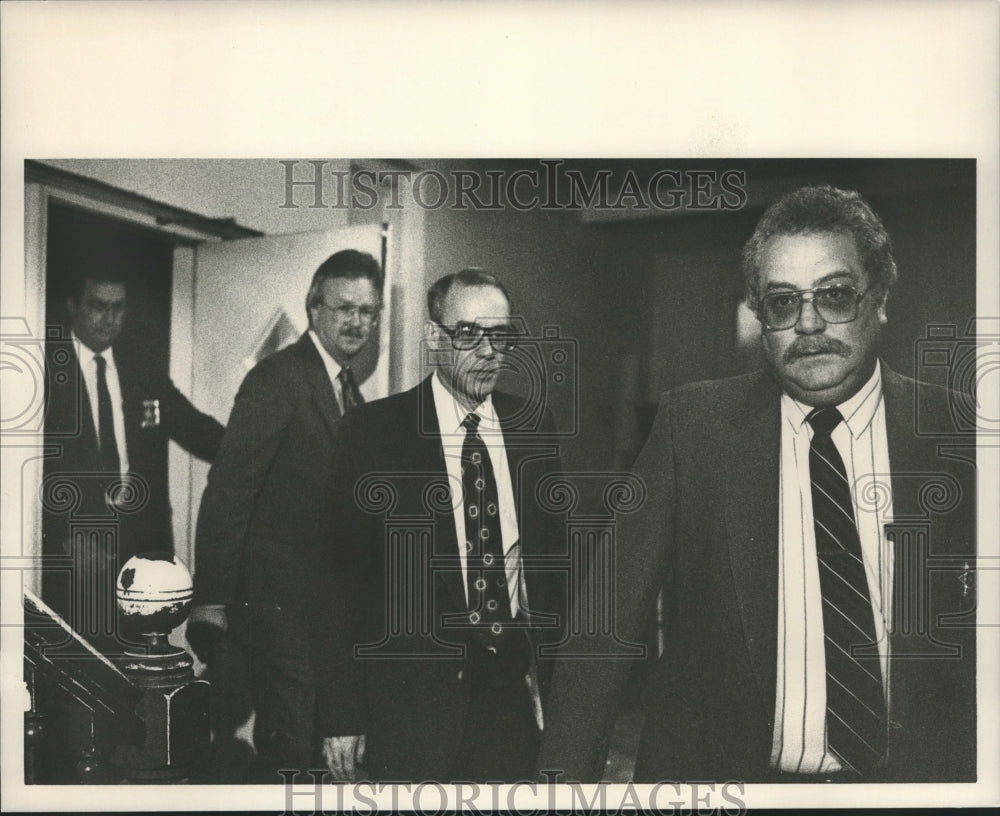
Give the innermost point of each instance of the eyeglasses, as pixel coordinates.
(465, 336)
(835, 304)
(365, 314)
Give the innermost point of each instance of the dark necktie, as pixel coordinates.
(110, 462)
(349, 389)
(855, 698)
(489, 602)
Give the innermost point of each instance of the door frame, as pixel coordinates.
(21, 511)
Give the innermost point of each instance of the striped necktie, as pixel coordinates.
(855, 697)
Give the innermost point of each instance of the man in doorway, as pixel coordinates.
(435, 677)
(266, 516)
(784, 515)
(109, 418)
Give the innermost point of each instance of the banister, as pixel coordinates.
(70, 663)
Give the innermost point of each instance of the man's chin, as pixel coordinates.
(817, 371)
(100, 344)
(821, 389)
(349, 346)
(480, 387)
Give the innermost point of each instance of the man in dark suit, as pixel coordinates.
(266, 516)
(109, 417)
(436, 676)
(816, 550)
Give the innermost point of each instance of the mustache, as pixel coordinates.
(806, 346)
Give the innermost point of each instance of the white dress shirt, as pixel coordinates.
(88, 367)
(449, 416)
(799, 744)
(332, 367)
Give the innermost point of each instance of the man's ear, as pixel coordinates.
(430, 330)
(883, 317)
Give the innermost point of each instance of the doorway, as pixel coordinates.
(81, 242)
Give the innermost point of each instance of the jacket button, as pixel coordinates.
(460, 676)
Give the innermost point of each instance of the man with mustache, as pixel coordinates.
(789, 519)
(438, 606)
(266, 517)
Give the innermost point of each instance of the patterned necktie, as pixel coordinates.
(855, 698)
(349, 389)
(489, 603)
(107, 442)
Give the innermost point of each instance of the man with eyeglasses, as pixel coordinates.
(438, 676)
(266, 517)
(110, 416)
(789, 520)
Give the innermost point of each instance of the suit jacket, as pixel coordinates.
(74, 487)
(394, 665)
(709, 529)
(265, 516)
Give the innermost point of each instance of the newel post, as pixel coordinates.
(154, 593)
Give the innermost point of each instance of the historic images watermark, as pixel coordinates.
(305, 794)
(549, 186)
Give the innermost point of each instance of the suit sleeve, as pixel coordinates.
(587, 690)
(198, 433)
(260, 417)
(547, 588)
(341, 706)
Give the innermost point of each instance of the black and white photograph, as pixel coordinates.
(436, 471)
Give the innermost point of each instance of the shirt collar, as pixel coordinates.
(450, 412)
(332, 366)
(858, 411)
(85, 354)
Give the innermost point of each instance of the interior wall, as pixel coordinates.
(692, 333)
(673, 284)
(934, 241)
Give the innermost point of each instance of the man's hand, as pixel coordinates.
(342, 756)
(206, 626)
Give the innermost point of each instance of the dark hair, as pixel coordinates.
(472, 276)
(822, 209)
(75, 284)
(348, 263)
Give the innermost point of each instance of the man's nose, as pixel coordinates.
(485, 347)
(810, 321)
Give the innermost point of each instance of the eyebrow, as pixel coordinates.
(345, 302)
(478, 325)
(828, 278)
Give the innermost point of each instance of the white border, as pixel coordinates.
(453, 79)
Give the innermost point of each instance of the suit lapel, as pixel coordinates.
(79, 407)
(428, 455)
(905, 455)
(322, 389)
(752, 476)
(515, 453)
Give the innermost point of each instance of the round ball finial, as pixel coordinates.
(154, 592)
